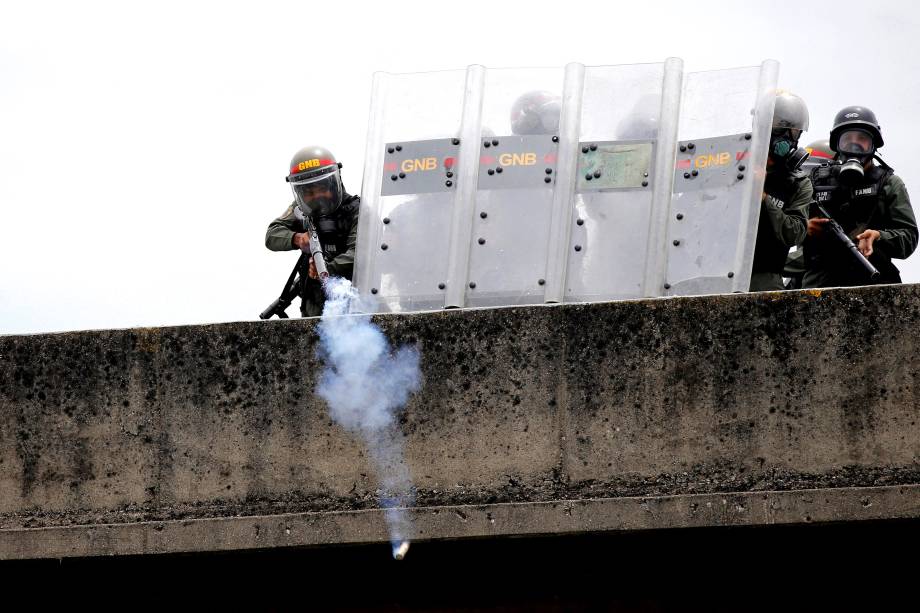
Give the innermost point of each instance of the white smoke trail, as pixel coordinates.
(365, 385)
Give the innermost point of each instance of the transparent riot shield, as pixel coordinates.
(516, 186)
(409, 188)
(718, 179)
(626, 134)
(518, 144)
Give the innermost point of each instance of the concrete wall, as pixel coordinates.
(745, 409)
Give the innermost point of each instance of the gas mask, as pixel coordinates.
(785, 150)
(854, 148)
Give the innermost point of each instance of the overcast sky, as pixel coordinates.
(143, 146)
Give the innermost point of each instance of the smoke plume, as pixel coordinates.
(366, 384)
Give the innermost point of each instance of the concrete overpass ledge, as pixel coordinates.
(758, 409)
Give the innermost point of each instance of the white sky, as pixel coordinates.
(143, 146)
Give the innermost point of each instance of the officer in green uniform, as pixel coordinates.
(786, 196)
(319, 195)
(868, 201)
(819, 152)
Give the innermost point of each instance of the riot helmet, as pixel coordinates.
(536, 112)
(790, 119)
(855, 137)
(821, 149)
(315, 179)
(856, 117)
(819, 152)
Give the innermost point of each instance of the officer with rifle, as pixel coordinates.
(862, 217)
(322, 223)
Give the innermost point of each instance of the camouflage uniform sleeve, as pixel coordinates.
(281, 231)
(791, 222)
(343, 265)
(899, 238)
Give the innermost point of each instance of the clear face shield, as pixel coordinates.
(855, 147)
(319, 195)
(855, 143)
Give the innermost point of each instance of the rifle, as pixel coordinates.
(841, 237)
(296, 283)
(316, 252)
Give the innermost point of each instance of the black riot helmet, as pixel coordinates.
(855, 138)
(790, 119)
(316, 182)
(856, 118)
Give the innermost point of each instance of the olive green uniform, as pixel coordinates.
(783, 224)
(338, 235)
(880, 202)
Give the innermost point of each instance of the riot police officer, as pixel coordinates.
(868, 201)
(786, 197)
(319, 195)
(819, 152)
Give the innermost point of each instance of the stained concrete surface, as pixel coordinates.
(647, 399)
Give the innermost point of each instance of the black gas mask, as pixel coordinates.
(854, 149)
(785, 150)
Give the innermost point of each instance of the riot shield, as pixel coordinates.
(517, 162)
(724, 132)
(518, 186)
(626, 135)
(409, 188)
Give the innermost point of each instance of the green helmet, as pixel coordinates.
(790, 112)
(790, 119)
(316, 181)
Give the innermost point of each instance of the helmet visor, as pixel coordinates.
(320, 194)
(855, 141)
